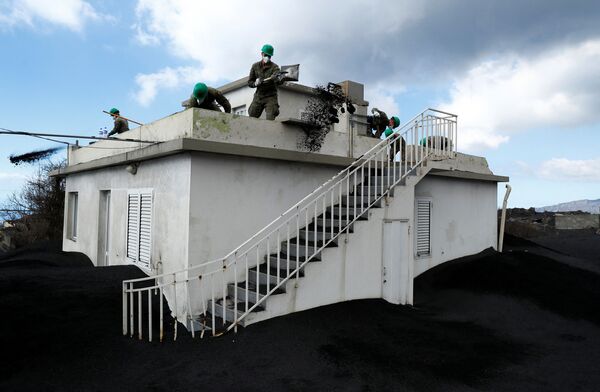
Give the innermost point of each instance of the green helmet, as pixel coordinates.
(114, 111)
(267, 49)
(396, 121)
(200, 92)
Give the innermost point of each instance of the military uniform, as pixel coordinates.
(121, 125)
(213, 97)
(397, 146)
(378, 123)
(265, 97)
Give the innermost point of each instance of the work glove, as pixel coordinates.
(375, 112)
(258, 82)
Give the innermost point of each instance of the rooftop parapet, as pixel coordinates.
(203, 130)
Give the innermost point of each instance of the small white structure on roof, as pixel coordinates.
(234, 223)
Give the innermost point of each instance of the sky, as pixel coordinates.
(522, 76)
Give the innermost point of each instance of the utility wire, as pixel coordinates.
(6, 131)
(39, 137)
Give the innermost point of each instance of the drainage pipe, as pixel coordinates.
(503, 219)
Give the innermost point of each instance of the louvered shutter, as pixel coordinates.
(423, 227)
(133, 225)
(145, 239)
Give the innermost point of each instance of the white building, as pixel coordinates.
(226, 206)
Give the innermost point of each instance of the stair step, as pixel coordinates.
(300, 250)
(262, 289)
(365, 201)
(345, 211)
(328, 222)
(283, 262)
(327, 225)
(370, 190)
(311, 242)
(385, 178)
(260, 277)
(273, 271)
(229, 310)
(242, 293)
(311, 235)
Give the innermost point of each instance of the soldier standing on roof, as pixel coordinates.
(263, 77)
(205, 97)
(121, 125)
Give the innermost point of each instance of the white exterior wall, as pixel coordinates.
(463, 223)
(463, 218)
(233, 197)
(169, 179)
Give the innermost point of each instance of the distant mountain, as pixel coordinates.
(591, 206)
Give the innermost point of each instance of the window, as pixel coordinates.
(139, 227)
(423, 218)
(72, 215)
(240, 110)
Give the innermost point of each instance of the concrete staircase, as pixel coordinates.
(277, 266)
(324, 249)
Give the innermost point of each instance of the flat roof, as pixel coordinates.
(467, 175)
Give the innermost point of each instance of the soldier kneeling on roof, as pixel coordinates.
(377, 122)
(205, 97)
(121, 125)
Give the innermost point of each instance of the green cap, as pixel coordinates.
(396, 121)
(200, 92)
(388, 132)
(268, 50)
(114, 111)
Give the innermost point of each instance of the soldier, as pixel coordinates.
(121, 125)
(263, 77)
(207, 98)
(398, 145)
(377, 122)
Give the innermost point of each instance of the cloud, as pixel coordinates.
(71, 14)
(496, 98)
(382, 43)
(574, 170)
(166, 78)
(328, 39)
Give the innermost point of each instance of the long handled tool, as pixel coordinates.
(125, 118)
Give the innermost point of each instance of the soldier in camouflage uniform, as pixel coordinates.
(263, 77)
(205, 97)
(121, 125)
(398, 145)
(377, 122)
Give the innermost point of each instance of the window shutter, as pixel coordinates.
(145, 239)
(423, 227)
(133, 223)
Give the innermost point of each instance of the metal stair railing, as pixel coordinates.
(323, 215)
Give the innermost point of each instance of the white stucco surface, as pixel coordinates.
(463, 218)
(169, 180)
(234, 197)
(463, 223)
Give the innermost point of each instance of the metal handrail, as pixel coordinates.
(425, 124)
(353, 164)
